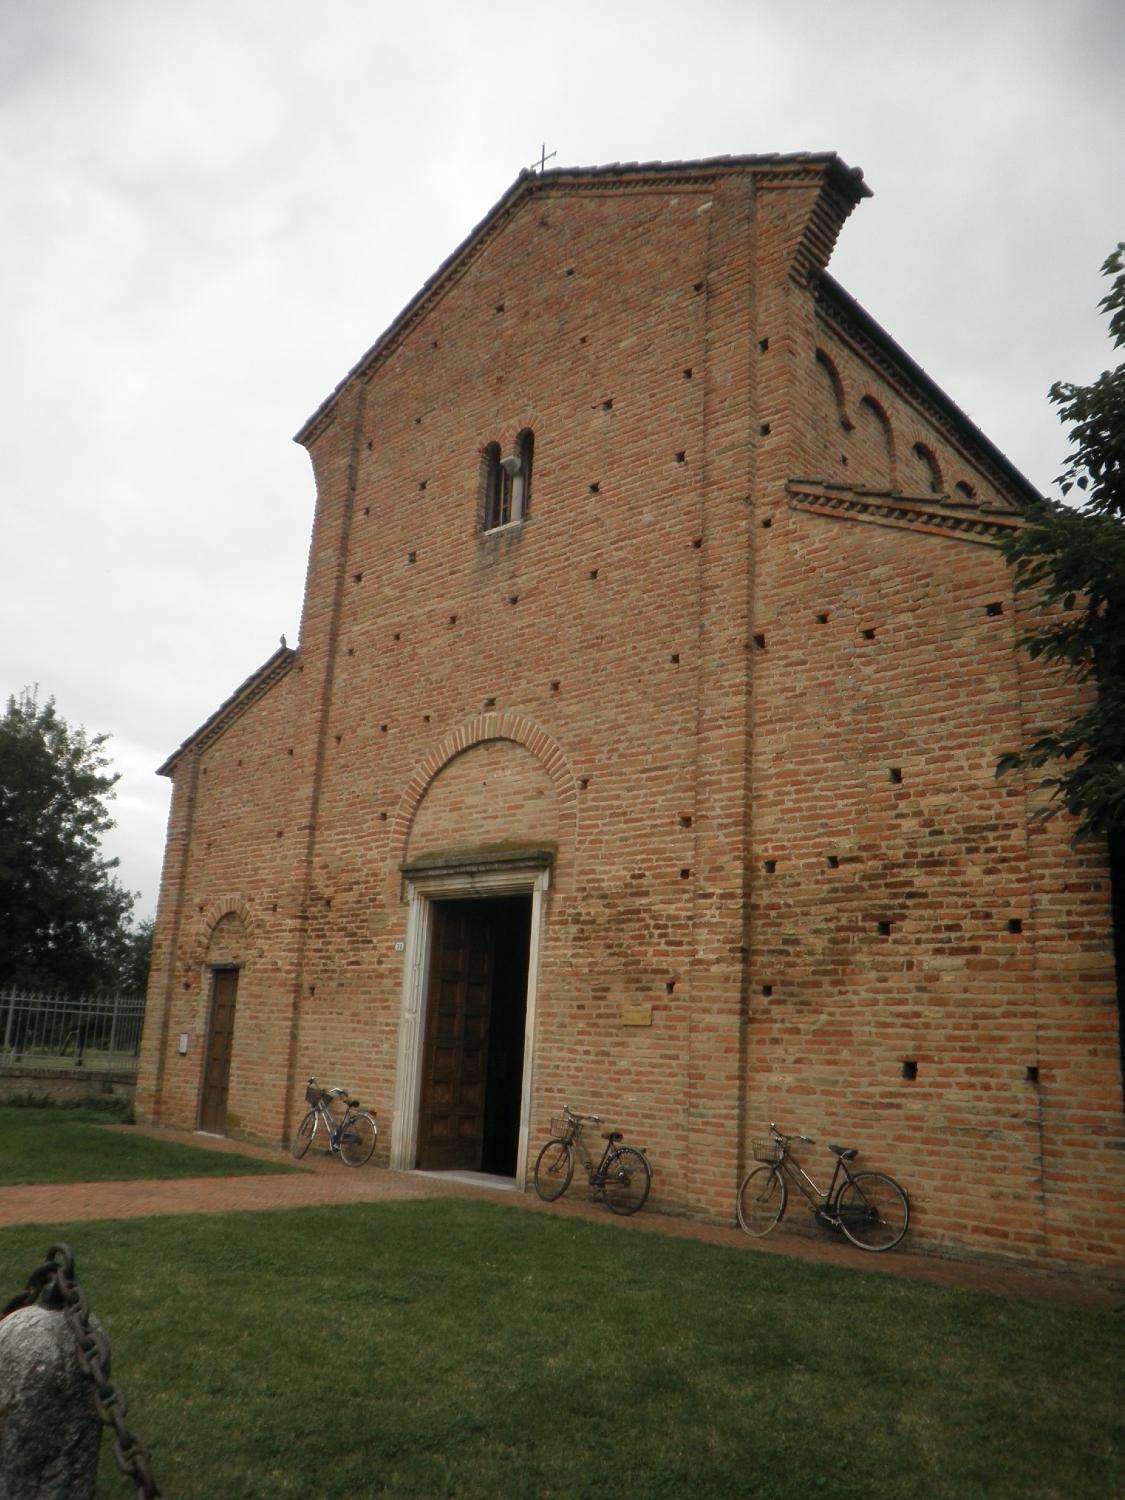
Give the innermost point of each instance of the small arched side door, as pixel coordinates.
(220, 1034)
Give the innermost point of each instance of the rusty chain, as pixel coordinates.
(55, 1285)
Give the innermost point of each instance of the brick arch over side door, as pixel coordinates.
(225, 932)
(478, 731)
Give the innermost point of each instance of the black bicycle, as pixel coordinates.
(868, 1207)
(622, 1178)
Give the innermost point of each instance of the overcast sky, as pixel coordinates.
(210, 210)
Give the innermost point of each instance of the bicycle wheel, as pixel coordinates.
(303, 1136)
(554, 1167)
(761, 1200)
(873, 1211)
(628, 1177)
(357, 1140)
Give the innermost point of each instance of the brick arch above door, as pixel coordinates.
(451, 801)
(225, 933)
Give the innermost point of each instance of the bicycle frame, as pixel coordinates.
(817, 1198)
(572, 1136)
(341, 1125)
(324, 1115)
(334, 1127)
(822, 1201)
(594, 1176)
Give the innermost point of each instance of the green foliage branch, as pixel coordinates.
(1070, 558)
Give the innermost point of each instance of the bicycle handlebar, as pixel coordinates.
(574, 1115)
(807, 1139)
(333, 1093)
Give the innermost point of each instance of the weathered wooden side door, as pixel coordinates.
(216, 1069)
(451, 1118)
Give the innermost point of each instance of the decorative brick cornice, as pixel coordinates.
(837, 195)
(854, 326)
(256, 686)
(923, 513)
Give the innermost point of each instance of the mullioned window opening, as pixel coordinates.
(508, 482)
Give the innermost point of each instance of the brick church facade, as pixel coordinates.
(638, 750)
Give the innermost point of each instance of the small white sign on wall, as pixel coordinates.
(183, 1043)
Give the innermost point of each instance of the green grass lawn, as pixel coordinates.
(72, 1145)
(453, 1348)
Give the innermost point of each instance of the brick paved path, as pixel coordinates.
(325, 1180)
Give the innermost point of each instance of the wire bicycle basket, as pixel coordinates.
(769, 1150)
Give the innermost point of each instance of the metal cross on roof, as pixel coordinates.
(544, 157)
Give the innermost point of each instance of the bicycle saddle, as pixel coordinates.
(612, 1135)
(353, 1103)
(844, 1152)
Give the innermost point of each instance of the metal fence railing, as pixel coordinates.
(92, 1031)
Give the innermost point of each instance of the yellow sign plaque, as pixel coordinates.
(636, 1015)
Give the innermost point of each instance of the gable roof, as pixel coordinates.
(811, 165)
(248, 693)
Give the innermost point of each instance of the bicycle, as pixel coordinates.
(352, 1137)
(868, 1207)
(622, 1178)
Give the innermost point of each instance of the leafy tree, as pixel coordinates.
(132, 977)
(1072, 559)
(64, 919)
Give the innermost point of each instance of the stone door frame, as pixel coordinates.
(425, 885)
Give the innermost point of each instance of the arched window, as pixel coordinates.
(837, 385)
(876, 444)
(508, 482)
(928, 464)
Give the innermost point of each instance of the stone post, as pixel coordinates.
(49, 1430)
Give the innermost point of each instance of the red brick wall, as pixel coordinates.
(490, 797)
(246, 800)
(663, 676)
(888, 685)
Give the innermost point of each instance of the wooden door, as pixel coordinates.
(458, 1005)
(216, 1071)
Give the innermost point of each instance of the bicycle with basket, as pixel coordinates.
(869, 1208)
(621, 1179)
(350, 1136)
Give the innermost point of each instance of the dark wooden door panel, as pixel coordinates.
(451, 1118)
(216, 1070)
